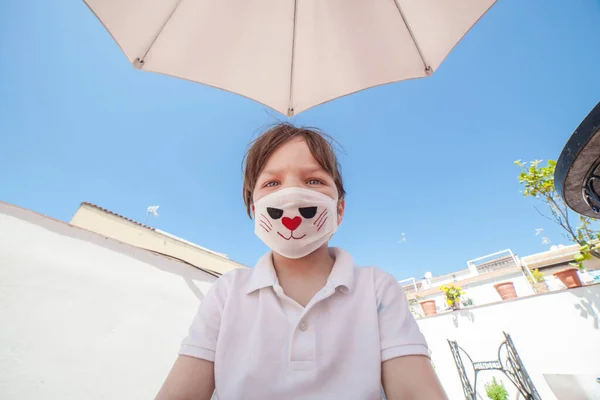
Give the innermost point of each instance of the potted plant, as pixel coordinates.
(428, 307)
(569, 277)
(506, 290)
(538, 282)
(495, 390)
(452, 294)
(585, 253)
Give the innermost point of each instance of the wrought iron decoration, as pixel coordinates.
(508, 362)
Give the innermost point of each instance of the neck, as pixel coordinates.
(318, 263)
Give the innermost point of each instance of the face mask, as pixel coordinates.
(294, 222)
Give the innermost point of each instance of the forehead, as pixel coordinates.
(292, 154)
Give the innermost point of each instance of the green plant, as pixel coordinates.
(452, 294)
(495, 390)
(537, 276)
(538, 182)
(585, 253)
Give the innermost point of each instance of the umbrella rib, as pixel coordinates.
(428, 70)
(290, 105)
(140, 61)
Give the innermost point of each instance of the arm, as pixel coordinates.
(193, 374)
(411, 378)
(406, 371)
(190, 378)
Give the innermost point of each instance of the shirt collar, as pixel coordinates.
(263, 274)
(342, 273)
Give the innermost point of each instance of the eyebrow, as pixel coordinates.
(312, 169)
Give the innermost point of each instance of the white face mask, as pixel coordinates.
(294, 222)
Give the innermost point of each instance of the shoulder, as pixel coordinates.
(236, 276)
(376, 276)
(370, 275)
(221, 292)
(233, 280)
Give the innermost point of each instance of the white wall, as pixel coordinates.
(86, 317)
(555, 333)
(485, 293)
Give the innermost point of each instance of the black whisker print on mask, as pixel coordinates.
(264, 226)
(324, 212)
(322, 223)
(266, 219)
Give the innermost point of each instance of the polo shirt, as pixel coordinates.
(265, 345)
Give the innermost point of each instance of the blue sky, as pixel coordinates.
(431, 158)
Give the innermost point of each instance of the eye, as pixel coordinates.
(274, 213)
(314, 181)
(308, 212)
(271, 184)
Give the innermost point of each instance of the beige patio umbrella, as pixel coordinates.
(289, 55)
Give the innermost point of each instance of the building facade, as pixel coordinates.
(107, 223)
(480, 276)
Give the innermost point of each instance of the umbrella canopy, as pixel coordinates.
(289, 55)
(577, 173)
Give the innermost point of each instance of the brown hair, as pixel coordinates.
(319, 144)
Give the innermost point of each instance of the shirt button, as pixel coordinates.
(303, 326)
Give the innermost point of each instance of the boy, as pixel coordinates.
(305, 323)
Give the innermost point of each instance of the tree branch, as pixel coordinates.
(565, 216)
(558, 221)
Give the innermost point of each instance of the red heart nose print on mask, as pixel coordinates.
(292, 223)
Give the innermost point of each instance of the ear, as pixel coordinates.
(253, 216)
(340, 210)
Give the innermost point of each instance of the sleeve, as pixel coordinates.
(398, 330)
(203, 334)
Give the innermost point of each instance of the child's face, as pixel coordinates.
(293, 165)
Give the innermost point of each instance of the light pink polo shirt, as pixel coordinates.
(266, 346)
